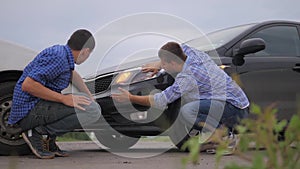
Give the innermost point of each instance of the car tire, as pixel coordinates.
(11, 141)
(116, 141)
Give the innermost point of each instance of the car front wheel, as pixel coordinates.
(116, 141)
(11, 141)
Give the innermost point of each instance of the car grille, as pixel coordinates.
(101, 84)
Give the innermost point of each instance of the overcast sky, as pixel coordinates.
(37, 24)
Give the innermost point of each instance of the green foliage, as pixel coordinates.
(263, 132)
(74, 136)
(193, 146)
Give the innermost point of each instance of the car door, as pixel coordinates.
(273, 75)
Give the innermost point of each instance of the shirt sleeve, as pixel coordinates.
(182, 85)
(47, 68)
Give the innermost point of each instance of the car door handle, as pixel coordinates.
(297, 67)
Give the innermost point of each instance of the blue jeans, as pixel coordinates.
(212, 113)
(57, 119)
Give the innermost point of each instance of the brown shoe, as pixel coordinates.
(35, 143)
(53, 147)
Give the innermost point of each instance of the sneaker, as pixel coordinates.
(55, 149)
(35, 143)
(211, 147)
(232, 140)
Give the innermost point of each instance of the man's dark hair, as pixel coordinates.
(81, 39)
(172, 51)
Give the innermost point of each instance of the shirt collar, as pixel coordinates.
(190, 59)
(70, 57)
(187, 61)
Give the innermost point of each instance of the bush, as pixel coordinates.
(279, 152)
(281, 149)
(74, 136)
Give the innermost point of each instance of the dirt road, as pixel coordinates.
(88, 155)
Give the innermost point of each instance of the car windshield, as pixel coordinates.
(218, 38)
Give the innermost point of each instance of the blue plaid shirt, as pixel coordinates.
(52, 68)
(199, 79)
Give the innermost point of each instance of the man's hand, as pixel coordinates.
(151, 67)
(76, 101)
(123, 96)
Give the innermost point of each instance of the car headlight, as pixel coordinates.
(126, 76)
(132, 76)
(123, 77)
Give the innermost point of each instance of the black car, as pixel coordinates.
(265, 56)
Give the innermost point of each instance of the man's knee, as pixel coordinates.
(190, 110)
(187, 115)
(94, 110)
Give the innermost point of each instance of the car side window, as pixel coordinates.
(280, 41)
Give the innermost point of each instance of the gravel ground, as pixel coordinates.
(88, 155)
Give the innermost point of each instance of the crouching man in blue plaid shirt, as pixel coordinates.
(210, 98)
(38, 106)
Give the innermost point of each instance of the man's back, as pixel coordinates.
(212, 82)
(52, 68)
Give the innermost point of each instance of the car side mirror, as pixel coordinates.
(251, 46)
(248, 46)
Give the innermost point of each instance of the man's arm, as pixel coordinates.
(183, 84)
(79, 84)
(127, 96)
(38, 90)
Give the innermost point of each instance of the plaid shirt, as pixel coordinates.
(199, 79)
(52, 68)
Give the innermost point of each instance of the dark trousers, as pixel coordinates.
(57, 119)
(212, 113)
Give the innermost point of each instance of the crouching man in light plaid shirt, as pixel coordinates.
(208, 94)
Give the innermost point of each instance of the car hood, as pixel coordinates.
(122, 67)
